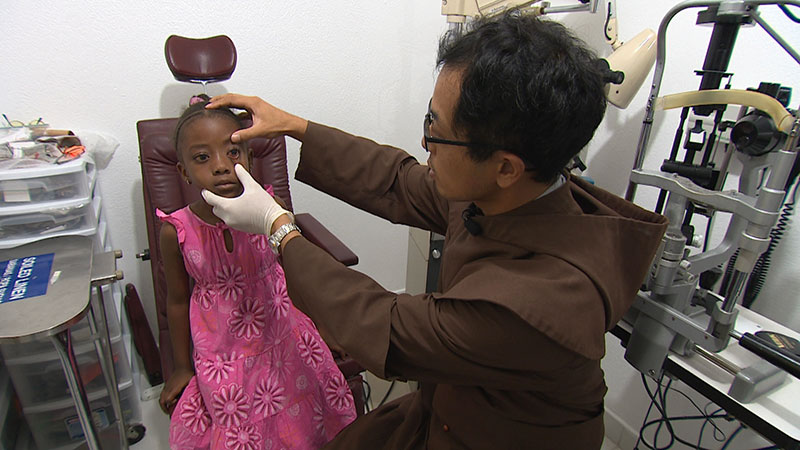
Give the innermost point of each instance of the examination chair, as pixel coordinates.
(203, 61)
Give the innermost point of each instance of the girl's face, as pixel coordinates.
(207, 155)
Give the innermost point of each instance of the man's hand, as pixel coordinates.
(268, 121)
(173, 389)
(254, 211)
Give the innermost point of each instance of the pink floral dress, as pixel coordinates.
(264, 379)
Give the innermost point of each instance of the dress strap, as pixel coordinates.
(176, 219)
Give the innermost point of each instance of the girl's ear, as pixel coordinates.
(182, 170)
(250, 158)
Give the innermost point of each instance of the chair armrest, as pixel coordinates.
(348, 366)
(324, 239)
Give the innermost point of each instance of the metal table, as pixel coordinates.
(57, 299)
(775, 415)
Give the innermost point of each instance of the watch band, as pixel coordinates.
(276, 237)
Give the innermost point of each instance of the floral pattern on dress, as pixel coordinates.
(319, 417)
(277, 334)
(269, 397)
(218, 369)
(230, 282)
(242, 438)
(260, 242)
(337, 393)
(247, 321)
(194, 415)
(257, 393)
(310, 350)
(230, 405)
(195, 256)
(279, 306)
(281, 364)
(205, 299)
(301, 383)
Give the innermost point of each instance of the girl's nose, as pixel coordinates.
(222, 165)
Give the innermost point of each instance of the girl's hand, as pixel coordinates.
(173, 389)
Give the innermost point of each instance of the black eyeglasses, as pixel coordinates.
(426, 134)
(426, 137)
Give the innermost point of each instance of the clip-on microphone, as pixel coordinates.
(473, 227)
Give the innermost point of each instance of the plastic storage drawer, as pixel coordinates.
(72, 217)
(20, 188)
(56, 425)
(41, 379)
(32, 350)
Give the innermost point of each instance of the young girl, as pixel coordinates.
(260, 377)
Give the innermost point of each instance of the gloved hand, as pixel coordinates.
(253, 212)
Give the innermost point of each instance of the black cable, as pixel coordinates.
(758, 276)
(666, 420)
(367, 393)
(388, 391)
(789, 14)
(663, 396)
(704, 417)
(644, 421)
(706, 422)
(608, 19)
(733, 435)
(653, 397)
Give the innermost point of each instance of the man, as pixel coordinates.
(537, 264)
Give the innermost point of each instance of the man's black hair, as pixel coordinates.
(529, 87)
(198, 109)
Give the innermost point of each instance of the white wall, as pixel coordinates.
(368, 69)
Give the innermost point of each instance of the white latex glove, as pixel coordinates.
(253, 212)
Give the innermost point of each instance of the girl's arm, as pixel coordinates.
(178, 295)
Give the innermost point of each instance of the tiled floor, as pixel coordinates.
(157, 423)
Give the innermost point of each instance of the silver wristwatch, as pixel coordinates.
(279, 234)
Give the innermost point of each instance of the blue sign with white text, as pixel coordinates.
(25, 277)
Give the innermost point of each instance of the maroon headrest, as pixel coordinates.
(208, 59)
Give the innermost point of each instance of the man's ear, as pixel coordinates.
(510, 168)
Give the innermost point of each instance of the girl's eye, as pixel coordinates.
(234, 152)
(201, 157)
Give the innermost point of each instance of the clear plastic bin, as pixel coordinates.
(23, 189)
(10, 414)
(78, 217)
(59, 426)
(42, 349)
(43, 382)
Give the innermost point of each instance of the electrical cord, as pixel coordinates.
(759, 275)
(608, 19)
(367, 394)
(707, 421)
(388, 391)
(658, 400)
(733, 435)
(789, 14)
